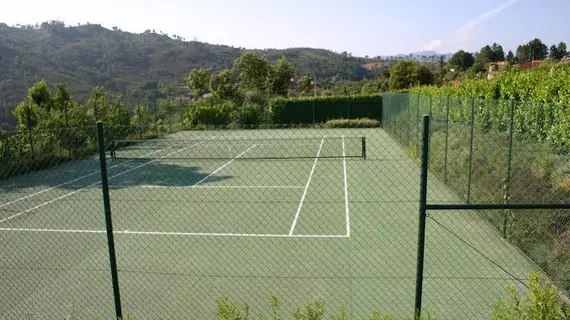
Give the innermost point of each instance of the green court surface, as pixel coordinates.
(201, 214)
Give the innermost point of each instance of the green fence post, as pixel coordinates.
(108, 220)
(446, 140)
(472, 122)
(422, 218)
(509, 169)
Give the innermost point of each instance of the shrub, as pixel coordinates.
(353, 123)
(228, 310)
(249, 114)
(255, 97)
(541, 302)
(210, 115)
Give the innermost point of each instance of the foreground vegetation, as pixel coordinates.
(539, 301)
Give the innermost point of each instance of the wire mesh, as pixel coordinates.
(306, 217)
(302, 213)
(480, 154)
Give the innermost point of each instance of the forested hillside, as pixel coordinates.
(129, 64)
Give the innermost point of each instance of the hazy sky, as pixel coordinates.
(361, 27)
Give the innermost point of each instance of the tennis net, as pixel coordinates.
(214, 149)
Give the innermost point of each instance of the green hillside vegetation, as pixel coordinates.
(145, 66)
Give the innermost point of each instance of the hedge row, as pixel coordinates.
(305, 110)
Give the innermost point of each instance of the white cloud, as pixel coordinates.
(432, 45)
(464, 32)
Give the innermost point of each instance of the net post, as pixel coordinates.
(108, 220)
(364, 148)
(422, 218)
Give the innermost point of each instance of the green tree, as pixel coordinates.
(198, 80)
(118, 113)
(422, 75)
(403, 75)
(485, 55)
(533, 50)
(224, 86)
(166, 109)
(142, 117)
(279, 77)
(498, 53)
(374, 86)
(558, 52)
(252, 71)
(461, 60)
(28, 114)
(510, 56)
(63, 101)
(97, 106)
(304, 83)
(40, 95)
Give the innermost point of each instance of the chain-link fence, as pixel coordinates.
(301, 213)
(484, 156)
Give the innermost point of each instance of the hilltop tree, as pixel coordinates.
(462, 60)
(558, 52)
(279, 77)
(197, 81)
(252, 71)
(533, 50)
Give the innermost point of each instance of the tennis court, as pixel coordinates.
(301, 214)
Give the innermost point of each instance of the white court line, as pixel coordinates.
(88, 186)
(71, 181)
(306, 189)
(150, 186)
(347, 214)
(226, 164)
(188, 234)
